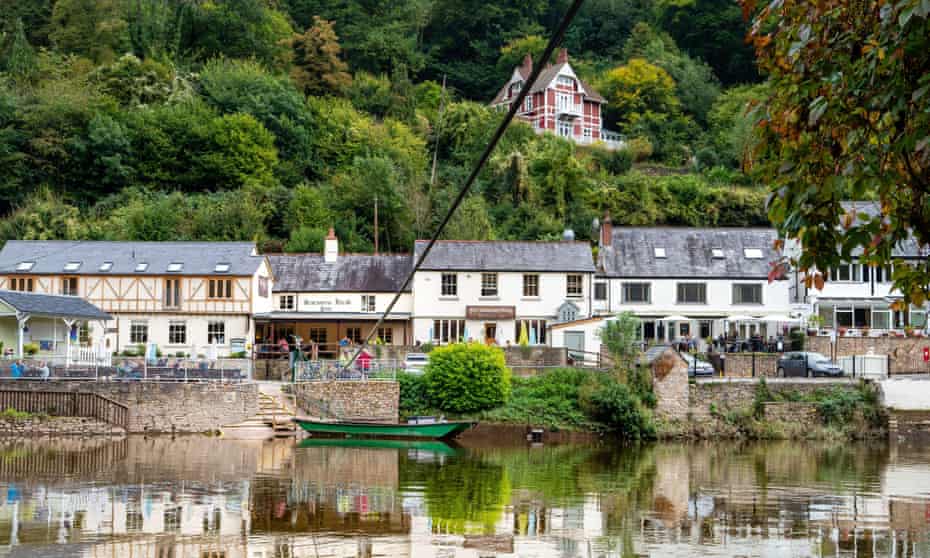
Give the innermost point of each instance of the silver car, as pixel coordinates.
(804, 364)
(415, 363)
(696, 366)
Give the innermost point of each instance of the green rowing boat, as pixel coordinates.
(437, 447)
(432, 430)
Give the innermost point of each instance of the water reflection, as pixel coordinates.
(209, 498)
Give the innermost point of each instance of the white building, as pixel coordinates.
(705, 275)
(182, 296)
(858, 297)
(326, 297)
(490, 290)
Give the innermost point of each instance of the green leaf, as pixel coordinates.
(817, 108)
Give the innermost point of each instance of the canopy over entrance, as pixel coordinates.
(22, 307)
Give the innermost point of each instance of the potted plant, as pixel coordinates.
(31, 349)
(813, 325)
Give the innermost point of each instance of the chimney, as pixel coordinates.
(331, 247)
(607, 231)
(527, 67)
(563, 56)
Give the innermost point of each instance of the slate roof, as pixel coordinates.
(544, 80)
(490, 255)
(905, 249)
(198, 258)
(689, 253)
(53, 305)
(350, 273)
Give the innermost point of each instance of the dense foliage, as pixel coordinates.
(252, 119)
(467, 377)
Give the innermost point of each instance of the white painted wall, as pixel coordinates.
(775, 298)
(260, 304)
(906, 394)
(589, 328)
(343, 302)
(237, 326)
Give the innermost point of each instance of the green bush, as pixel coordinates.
(614, 405)
(467, 377)
(414, 400)
(31, 348)
(548, 399)
(617, 161)
(706, 158)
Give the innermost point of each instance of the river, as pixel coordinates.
(199, 497)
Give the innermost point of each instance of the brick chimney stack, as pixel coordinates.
(563, 56)
(527, 67)
(607, 231)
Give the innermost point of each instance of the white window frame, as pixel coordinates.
(138, 332)
(71, 267)
(489, 285)
(448, 331)
(600, 285)
(66, 284)
(449, 284)
(177, 332)
(531, 324)
(105, 267)
(659, 253)
(530, 285)
(287, 302)
(753, 253)
(686, 284)
(368, 303)
(172, 298)
(386, 335)
(645, 287)
(574, 285)
(755, 286)
(175, 267)
(216, 332)
(528, 103)
(565, 129)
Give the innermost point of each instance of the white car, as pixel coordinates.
(415, 363)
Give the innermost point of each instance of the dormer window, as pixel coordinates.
(515, 88)
(105, 266)
(659, 253)
(752, 253)
(72, 266)
(221, 268)
(25, 266)
(141, 267)
(175, 267)
(717, 254)
(566, 81)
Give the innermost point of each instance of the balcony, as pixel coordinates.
(608, 140)
(569, 111)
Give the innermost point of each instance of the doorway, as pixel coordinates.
(490, 334)
(574, 342)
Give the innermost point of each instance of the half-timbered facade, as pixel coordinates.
(183, 296)
(560, 103)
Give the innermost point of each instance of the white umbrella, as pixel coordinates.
(674, 319)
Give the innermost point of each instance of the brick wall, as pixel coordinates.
(165, 406)
(906, 353)
(670, 383)
(739, 365)
(348, 400)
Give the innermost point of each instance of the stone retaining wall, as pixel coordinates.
(350, 400)
(905, 353)
(536, 356)
(804, 413)
(738, 394)
(740, 365)
(165, 406)
(909, 423)
(670, 384)
(58, 426)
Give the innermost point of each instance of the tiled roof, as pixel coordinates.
(905, 249)
(350, 272)
(195, 258)
(544, 80)
(52, 305)
(689, 252)
(491, 255)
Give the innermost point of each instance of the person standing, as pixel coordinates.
(16, 369)
(44, 371)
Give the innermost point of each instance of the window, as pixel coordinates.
(221, 268)
(83, 334)
(448, 331)
(752, 253)
(354, 334)
(105, 266)
(386, 335)
(636, 293)
(692, 293)
(138, 332)
(531, 285)
(563, 102)
(25, 266)
(286, 302)
(565, 129)
(72, 266)
(24, 284)
(848, 273)
(568, 312)
(263, 286)
(573, 286)
(175, 267)
(318, 335)
(141, 267)
(716, 254)
(535, 331)
(659, 252)
(918, 317)
(750, 293)
(69, 286)
(882, 274)
(368, 303)
(177, 333)
(488, 284)
(588, 133)
(172, 293)
(528, 103)
(537, 123)
(600, 290)
(221, 288)
(450, 284)
(567, 81)
(881, 317)
(216, 333)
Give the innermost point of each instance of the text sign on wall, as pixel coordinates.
(327, 303)
(490, 312)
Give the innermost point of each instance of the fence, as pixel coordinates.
(67, 404)
(130, 369)
(865, 366)
(318, 370)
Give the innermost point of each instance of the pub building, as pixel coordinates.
(331, 297)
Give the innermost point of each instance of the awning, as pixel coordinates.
(330, 316)
(674, 319)
(52, 306)
(780, 318)
(742, 318)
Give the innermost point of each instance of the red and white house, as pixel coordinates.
(560, 102)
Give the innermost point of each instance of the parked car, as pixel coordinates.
(415, 363)
(697, 367)
(803, 364)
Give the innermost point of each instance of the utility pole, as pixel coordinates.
(376, 224)
(442, 106)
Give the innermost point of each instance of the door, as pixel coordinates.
(574, 342)
(490, 334)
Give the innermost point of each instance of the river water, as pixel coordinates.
(211, 498)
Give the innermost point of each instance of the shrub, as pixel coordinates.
(467, 377)
(547, 399)
(414, 400)
(640, 148)
(31, 348)
(706, 158)
(617, 161)
(614, 405)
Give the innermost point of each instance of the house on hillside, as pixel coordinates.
(560, 103)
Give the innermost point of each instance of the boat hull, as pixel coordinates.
(435, 431)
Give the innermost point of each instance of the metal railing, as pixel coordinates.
(329, 370)
(129, 369)
(66, 404)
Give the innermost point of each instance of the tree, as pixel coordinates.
(620, 336)
(236, 29)
(513, 52)
(96, 29)
(318, 68)
(18, 58)
(636, 88)
(847, 116)
(471, 221)
(133, 82)
(732, 124)
(44, 216)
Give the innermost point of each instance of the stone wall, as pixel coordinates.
(905, 353)
(805, 413)
(670, 383)
(535, 356)
(165, 406)
(909, 423)
(350, 400)
(57, 426)
(740, 365)
(737, 394)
